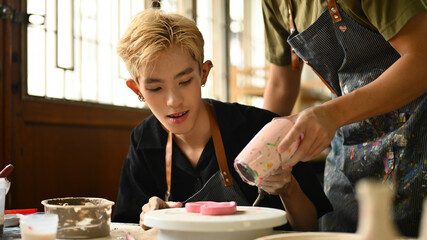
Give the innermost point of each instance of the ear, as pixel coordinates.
(132, 85)
(206, 68)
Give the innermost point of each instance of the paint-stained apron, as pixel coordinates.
(390, 147)
(220, 187)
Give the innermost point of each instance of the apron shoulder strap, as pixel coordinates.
(219, 146)
(294, 57)
(168, 165)
(333, 10)
(336, 17)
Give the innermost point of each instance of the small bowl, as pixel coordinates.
(81, 217)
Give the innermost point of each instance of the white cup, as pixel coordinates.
(38, 226)
(260, 157)
(4, 188)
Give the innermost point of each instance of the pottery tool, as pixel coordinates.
(261, 195)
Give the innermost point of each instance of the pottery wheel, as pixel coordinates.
(245, 223)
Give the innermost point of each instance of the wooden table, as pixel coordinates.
(118, 231)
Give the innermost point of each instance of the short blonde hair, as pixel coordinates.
(152, 31)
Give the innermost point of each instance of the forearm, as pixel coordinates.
(281, 90)
(403, 82)
(300, 211)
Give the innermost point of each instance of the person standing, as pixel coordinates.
(372, 56)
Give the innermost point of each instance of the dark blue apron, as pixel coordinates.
(389, 147)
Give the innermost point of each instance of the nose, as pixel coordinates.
(174, 98)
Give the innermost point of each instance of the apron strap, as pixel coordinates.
(219, 147)
(333, 10)
(294, 57)
(219, 151)
(336, 17)
(168, 165)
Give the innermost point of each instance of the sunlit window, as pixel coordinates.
(73, 55)
(247, 50)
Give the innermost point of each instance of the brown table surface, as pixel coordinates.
(118, 231)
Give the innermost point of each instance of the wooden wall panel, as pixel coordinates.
(67, 160)
(10, 49)
(2, 93)
(69, 149)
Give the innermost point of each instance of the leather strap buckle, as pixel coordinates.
(333, 10)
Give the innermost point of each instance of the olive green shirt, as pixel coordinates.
(386, 17)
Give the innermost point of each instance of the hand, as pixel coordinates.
(318, 128)
(155, 203)
(278, 182)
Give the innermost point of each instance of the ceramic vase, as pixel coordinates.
(375, 210)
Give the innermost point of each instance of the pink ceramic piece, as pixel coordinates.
(261, 157)
(194, 207)
(212, 208)
(224, 208)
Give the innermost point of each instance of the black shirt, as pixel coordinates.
(143, 174)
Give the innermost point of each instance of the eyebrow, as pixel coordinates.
(185, 72)
(182, 73)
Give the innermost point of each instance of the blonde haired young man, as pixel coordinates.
(172, 156)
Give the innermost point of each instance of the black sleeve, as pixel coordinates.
(129, 199)
(137, 185)
(310, 185)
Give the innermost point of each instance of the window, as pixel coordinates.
(73, 56)
(249, 67)
(247, 56)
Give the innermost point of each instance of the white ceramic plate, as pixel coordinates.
(246, 223)
(245, 218)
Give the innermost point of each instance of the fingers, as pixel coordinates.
(310, 148)
(292, 136)
(304, 151)
(277, 182)
(174, 204)
(155, 203)
(141, 220)
(298, 154)
(315, 130)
